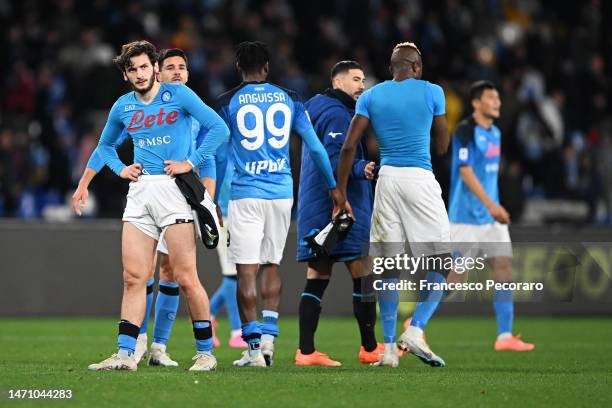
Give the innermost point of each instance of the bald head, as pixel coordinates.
(406, 62)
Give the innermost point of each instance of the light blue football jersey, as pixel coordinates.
(479, 148)
(162, 129)
(261, 117)
(401, 113)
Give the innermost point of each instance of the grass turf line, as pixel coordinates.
(571, 366)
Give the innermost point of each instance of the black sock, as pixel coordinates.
(310, 309)
(364, 309)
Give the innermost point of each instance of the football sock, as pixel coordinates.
(269, 328)
(388, 301)
(504, 312)
(202, 331)
(309, 311)
(364, 309)
(251, 333)
(166, 306)
(218, 299)
(231, 302)
(428, 301)
(145, 323)
(126, 340)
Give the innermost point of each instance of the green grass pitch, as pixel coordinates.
(571, 366)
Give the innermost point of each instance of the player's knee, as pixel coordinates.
(134, 279)
(247, 293)
(503, 269)
(182, 266)
(188, 282)
(316, 274)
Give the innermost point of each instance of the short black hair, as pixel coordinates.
(344, 66)
(134, 49)
(478, 87)
(171, 52)
(252, 56)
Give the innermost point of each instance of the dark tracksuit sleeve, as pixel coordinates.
(334, 132)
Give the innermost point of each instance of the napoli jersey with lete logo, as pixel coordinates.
(401, 113)
(162, 129)
(261, 117)
(479, 148)
(198, 132)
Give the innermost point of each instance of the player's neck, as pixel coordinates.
(402, 76)
(147, 97)
(254, 78)
(482, 121)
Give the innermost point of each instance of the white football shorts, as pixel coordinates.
(227, 268)
(154, 203)
(488, 240)
(408, 207)
(258, 230)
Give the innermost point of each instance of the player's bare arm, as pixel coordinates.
(439, 132)
(356, 130)
(81, 194)
(497, 211)
(210, 184)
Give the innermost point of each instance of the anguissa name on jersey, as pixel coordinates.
(266, 97)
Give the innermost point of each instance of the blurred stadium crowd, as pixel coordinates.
(548, 58)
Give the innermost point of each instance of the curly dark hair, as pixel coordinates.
(134, 49)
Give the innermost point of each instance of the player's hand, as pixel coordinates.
(368, 171)
(340, 204)
(174, 167)
(79, 199)
(500, 214)
(131, 172)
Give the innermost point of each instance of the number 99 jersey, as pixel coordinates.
(261, 117)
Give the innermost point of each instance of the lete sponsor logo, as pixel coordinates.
(138, 120)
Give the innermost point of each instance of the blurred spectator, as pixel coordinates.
(58, 81)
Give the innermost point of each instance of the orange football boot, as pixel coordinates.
(314, 359)
(513, 343)
(369, 357)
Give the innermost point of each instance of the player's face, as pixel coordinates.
(489, 103)
(141, 73)
(174, 69)
(352, 82)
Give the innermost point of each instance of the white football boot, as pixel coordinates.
(159, 357)
(267, 350)
(115, 362)
(412, 340)
(390, 357)
(247, 361)
(141, 348)
(204, 362)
